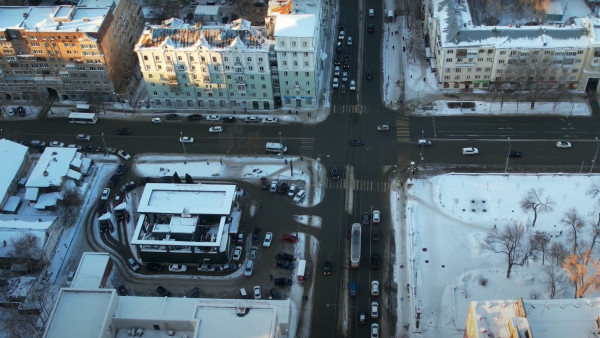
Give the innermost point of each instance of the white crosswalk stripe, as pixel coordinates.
(359, 185)
(349, 109)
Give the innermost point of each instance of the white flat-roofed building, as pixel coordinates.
(185, 223)
(14, 166)
(93, 271)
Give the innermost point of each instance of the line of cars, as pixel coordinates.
(293, 191)
(513, 153)
(215, 118)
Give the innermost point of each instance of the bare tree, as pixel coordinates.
(572, 220)
(536, 201)
(557, 253)
(585, 276)
(71, 200)
(539, 242)
(252, 11)
(510, 241)
(554, 279)
(28, 248)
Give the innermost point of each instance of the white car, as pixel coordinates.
(374, 310)
(345, 77)
(257, 293)
(352, 85)
(249, 268)
(273, 187)
(269, 120)
(83, 137)
(383, 127)
(216, 129)
(336, 71)
(74, 146)
(292, 190)
(336, 82)
(213, 118)
(342, 34)
(57, 144)
(105, 194)
(375, 288)
(563, 144)
(124, 155)
(156, 120)
(374, 330)
(177, 268)
(251, 119)
(300, 196)
(349, 41)
(371, 12)
(376, 216)
(268, 239)
(470, 151)
(237, 253)
(186, 139)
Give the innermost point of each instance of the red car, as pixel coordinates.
(289, 238)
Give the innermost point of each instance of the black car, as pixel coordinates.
(21, 111)
(517, 154)
(228, 119)
(163, 292)
(284, 264)
(256, 235)
(370, 28)
(343, 88)
(120, 169)
(374, 261)
(335, 173)
(338, 60)
(366, 218)
(114, 179)
(369, 75)
(341, 25)
(153, 267)
(171, 117)
(375, 234)
(122, 291)
(327, 268)
(194, 117)
(123, 131)
(346, 52)
(282, 281)
(284, 257)
(93, 149)
(346, 63)
(357, 143)
(275, 294)
(283, 188)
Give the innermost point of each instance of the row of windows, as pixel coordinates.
(293, 44)
(468, 70)
(467, 77)
(294, 63)
(469, 60)
(203, 58)
(552, 71)
(211, 103)
(540, 79)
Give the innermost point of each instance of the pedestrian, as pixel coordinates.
(296, 112)
(393, 47)
(221, 161)
(271, 277)
(207, 163)
(234, 112)
(301, 159)
(244, 110)
(285, 161)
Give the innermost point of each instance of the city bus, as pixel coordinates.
(83, 118)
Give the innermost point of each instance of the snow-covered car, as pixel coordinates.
(336, 82)
(563, 144)
(345, 77)
(376, 216)
(300, 196)
(237, 253)
(470, 151)
(268, 240)
(336, 71)
(177, 268)
(213, 118)
(157, 120)
(292, 190)
(186, 139)
(269, 120)
(57, 144)
(383, 127)
(105, 194)
(375, 288)
(257, 292)
(353, 85)
(83, 137)
(216, 129)
(251, 119)
(124, 155)
(374, 330)
(133, 264)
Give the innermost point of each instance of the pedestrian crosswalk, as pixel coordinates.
(402, 129)
(307, 147)
(349, 109)
(361, 185)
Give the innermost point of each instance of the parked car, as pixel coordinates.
(563, 144)
(249, 268)
(282, 190)
(105, 194)
(362, 318)
(375, 288)
(292, 190)
(124, 155)
(327, 268)
(237, 253)
(56, 144)
(21, 111)
(123, 131)
(376, 216)
(289, 238)
(122, 291)
(273, 187)
(133, 264)
(269, 120)
(228, 119)
(374, 330)
(369, 75)
(177, 268)
(207, 268)
(470, 151)
(257, 292)
(239, 239)
(93, 149)
(251, 119)
(284, 257)
(120, 169)
(256, 235)
(157, 120)
(83, 137)
(194, 117)
(375, 234)
(186, 139)
(383, 127)
(213, 118)
(515, 154)
(171, 117)
(275, 294)
(335, 173)
(10, 112)
(338, 47)
(244, 293)
(284, 264)
(282, 281)
(300, 196)
(37, 143)
(153, 267)
(112, 181)
(215, 129)
(229, 267)
(366, 218)
(370, 28)
(268, 239)
(128, 186)
(374, 261)
(371, 12)
(252, 253)
(163, 292)
(374, 310)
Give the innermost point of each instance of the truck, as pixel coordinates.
(355, 246)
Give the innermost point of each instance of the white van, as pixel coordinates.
(273, 147)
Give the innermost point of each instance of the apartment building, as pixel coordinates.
(591, 70)
(81, 52)
(466, 56)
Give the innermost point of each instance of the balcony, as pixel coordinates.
(172, 80)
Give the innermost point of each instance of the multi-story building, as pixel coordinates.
(469, 56)
(590, 77)
(81, 52)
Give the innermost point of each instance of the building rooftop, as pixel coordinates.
(52, 18)
(187, 199)
(13, 227)
(301, 25)
(89, 274)
(12, 154)
(52, 167)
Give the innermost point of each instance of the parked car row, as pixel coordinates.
(282, 188)
(215, 118)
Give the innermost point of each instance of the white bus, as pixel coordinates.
(83, 118)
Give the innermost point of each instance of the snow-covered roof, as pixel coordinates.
(206, 10)
(53, 18)
(13, 155)
(193, 199)
(90, 272)
(456, 29)
(295, 26)
(52, 167)
(13, 227)
(97, 3)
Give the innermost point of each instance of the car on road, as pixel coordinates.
(163, 292)
(338, 47)
(374, 310)
(343, 89)
(256, 235)
(282, 190)
(357, 143)
(470, 151)
(239, 239)
(273, 187)
(362, 318)
(292, 190)
(257, 292)
(383, 127)
(56, 144)
(369, 75)
(336, 71)
(237, 253)
(290, 238)
(253, 252)
(274, 294)
(171, 117)
(335, 173)
(284, 257)
(336, 82)
(252, 119)
(366, 218)
(133, 264)
(370, 28)
(375, 288)
(268, 240)
(215, 129)
(375, 234)
(424, 143)
(213, 118)
(346, 63)
(282, 281)
(177, 268)
(341, 35)
(349, 41)
(341, 25)
(269, 120)
(124, 155)
(563, 144)
(153, 267)
(228, 119)
(345, 77)
(375, 261)
(515, 154)
(83, 137)
(376, 216)
(300, 196)
(186, 139)
(105, 194)
(120, 169)
(371, 12)
(374, 330)
(208, 268)
(195, 117)
(249, 268)
(123, 131)
(122, 291)
(353, 85)
(327, 268)
(157, 120)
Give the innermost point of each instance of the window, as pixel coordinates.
(456, 77)
(305, 44)
(449, 60)
(502, 52)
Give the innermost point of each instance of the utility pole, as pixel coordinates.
(507, 157)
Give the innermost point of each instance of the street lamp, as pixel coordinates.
(183, 145)
(507, 157)
(595, 155)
